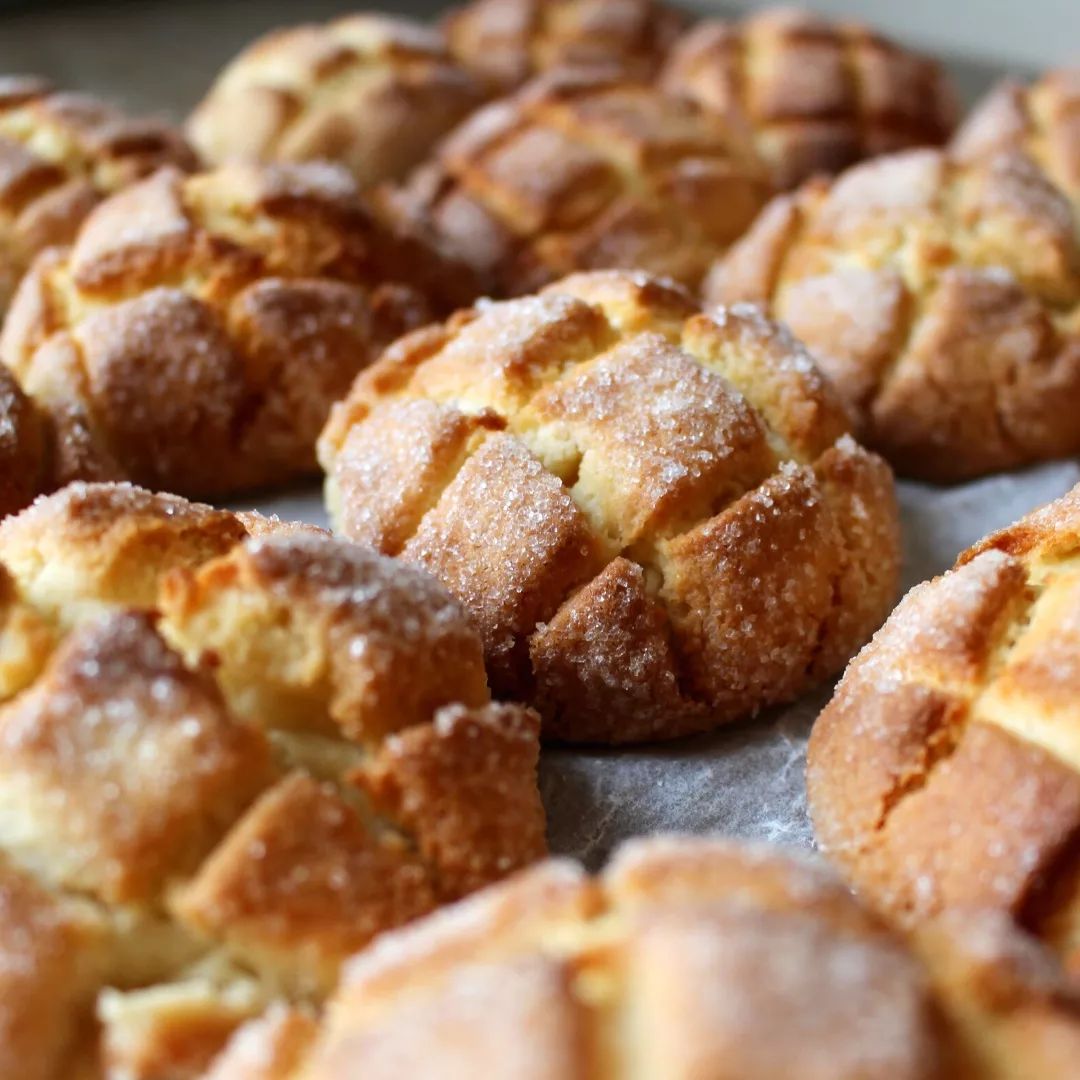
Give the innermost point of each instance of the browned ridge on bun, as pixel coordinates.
(196, 333)
(371, 92)
(942, 297)
(60, 154)
(1041, 120)
(946, 771)
(508, 41)
(655, 517)
(584, 171)
(818, 95)
(687, 959)
(232, 751)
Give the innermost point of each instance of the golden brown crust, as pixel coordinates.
(944, 773)
(371, 92)
(688, 957)
(507, 41)
(1041, 120)
(223, 311)
(60, 154)
(653, 516)
(456, 786)
(301, 630)
(942, 296)
(580, 171)
(817, 95)
(108, 544)
(193, 737)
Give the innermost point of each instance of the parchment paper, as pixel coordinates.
(745, 780)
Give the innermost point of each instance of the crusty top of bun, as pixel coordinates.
(687, 957)
(195, 334)
(818, 95)
(371, 92)
(653, 514)
(226, 762)
(60, 153)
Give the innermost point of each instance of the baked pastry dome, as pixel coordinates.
(60, 154)
(508, 41)
(1041, 120)
(655, 517)
(583, 171)
(371, 92)
(23, 462)
(941, 296)
(945, 772)
(818, 95)
(197, 331)
(685, 958)
(231, 751)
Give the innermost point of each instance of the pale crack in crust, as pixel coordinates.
(654, 517)
(944, 773)
(585, 170)
(685, 957)
(232, 752)
(818, 96)
(508, 41)
(371, 92)
(942, 297)
(60, 154)
(196, 333)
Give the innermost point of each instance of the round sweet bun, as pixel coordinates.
(508, 41)
(685, 958)
(581, 171)
(655, 517)
(940, 295)
(818, 95)
(1041, 120)
(945, 773)
(196, 333)
(23, 462)
(233, 751)
(371, 92)
(60, 154)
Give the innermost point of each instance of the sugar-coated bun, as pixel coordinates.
(941, 294)
(1041, 120)
(370, 92)
(508, 41)
(817, 95)
(60, 154)
(196, 333)
(687, 957)
(228, 759)
(586, 170)
(945, 773)
(655, 517)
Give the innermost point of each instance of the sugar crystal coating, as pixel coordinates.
(654, 516)
(944, 773)
(195, 333)
(685, 957)
(371, 92)
(232, 751)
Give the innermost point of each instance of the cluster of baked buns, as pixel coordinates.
(607, 332)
